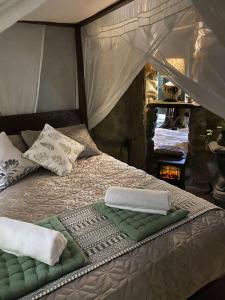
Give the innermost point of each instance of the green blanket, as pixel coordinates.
(21, 275)
(140, 225)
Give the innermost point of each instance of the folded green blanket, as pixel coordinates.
(21, 275)
(139, 225)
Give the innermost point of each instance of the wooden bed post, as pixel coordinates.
(80, 76)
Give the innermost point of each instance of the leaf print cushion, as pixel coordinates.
(12, 166)
(79, 133)
(54, 151)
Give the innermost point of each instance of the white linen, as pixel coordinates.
(164, 138)
(140, 200)
(25, 239)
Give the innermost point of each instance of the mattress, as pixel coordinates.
(173, 266)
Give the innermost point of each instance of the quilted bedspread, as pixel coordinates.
(172, 267)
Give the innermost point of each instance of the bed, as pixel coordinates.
(173, 266)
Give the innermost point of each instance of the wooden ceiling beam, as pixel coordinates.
(104, 12)
(98, 15)
(48, 23)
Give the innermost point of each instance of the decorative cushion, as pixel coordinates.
(140, 225)
(18, 142)
(12, 166)
(78, 133)
(54, 151)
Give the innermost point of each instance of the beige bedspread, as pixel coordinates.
(171, 267)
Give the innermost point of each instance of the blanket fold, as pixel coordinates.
(140, 200)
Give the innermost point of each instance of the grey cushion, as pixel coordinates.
(78, 133)
(18, 142)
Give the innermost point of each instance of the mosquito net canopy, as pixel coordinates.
(183, 39)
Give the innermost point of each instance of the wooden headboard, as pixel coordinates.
(15, 123)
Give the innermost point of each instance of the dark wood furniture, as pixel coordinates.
(151, 119)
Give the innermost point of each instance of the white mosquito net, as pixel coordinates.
(183, 39)
(175, 36)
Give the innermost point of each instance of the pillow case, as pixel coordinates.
(18, 142)
(54, 151)
(12, 166)
(78, 133)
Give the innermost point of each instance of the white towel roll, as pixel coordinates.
(25, 239)
(140, 200)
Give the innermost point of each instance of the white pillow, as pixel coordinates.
(54, 151)
(12, 166)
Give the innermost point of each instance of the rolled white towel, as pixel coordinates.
(25, 239)
(140, 200)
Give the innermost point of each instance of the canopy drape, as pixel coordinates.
(21, 49)
(204, 66)
(37, 69)
(213, 13)
(117, 46)
(14, 10)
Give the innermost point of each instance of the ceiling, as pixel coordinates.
(68, 11)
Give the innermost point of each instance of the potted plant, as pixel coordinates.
(207, 138)
(221, 137)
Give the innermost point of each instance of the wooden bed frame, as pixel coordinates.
(16, 123)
